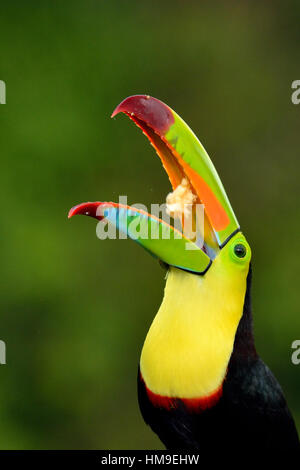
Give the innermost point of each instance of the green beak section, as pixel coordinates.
(160, 239)
(198, 167)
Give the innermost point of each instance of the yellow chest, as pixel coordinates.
(189, 344)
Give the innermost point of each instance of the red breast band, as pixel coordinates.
(195, 405)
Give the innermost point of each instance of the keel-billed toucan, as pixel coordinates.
(201, 383)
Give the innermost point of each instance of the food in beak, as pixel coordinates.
(180, 206)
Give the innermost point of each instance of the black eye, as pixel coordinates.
(240, 250)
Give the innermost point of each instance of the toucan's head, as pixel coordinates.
(188, 346)
(194, 181)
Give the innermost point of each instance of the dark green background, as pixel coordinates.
(75, 310)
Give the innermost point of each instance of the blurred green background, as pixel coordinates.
(75, 310)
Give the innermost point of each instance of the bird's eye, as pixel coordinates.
(240, 250)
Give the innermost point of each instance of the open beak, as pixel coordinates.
(187, 164)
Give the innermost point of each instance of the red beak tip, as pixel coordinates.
(86, 208)
(115, 112)
(71, 213)
(150, 110)
(78, 209)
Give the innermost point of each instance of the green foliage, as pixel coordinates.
(75, 310)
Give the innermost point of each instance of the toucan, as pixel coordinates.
(201, 383)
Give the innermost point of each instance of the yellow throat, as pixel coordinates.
(189, 344)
